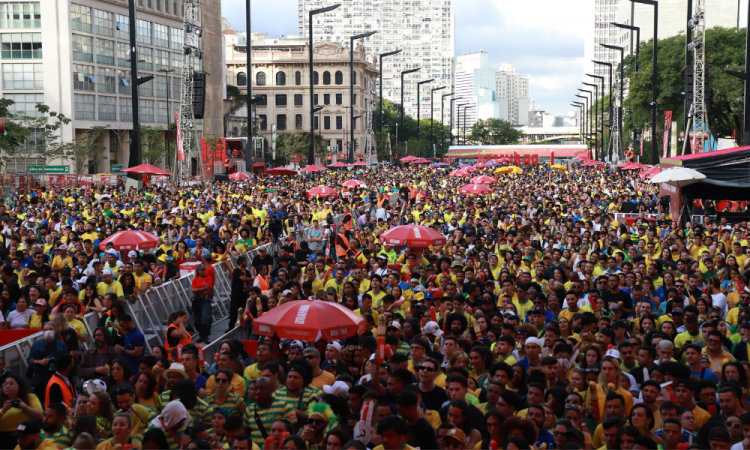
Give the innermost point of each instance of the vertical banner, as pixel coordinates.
(180, 149)
(667, 127)
(673, 139)
(552, 157)
(642, 131)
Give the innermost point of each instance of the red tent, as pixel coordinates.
(146, 169)
(281, 171)
(313, 168)
(322, 191)
(337, 164)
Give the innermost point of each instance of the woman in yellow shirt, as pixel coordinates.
(29, 407)
(120, 433)
(40, 317)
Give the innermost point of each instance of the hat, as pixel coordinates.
(574, 432)
(27, 428)
(201, 267)
(106, 272)
(287, 292)
(432, 328)
(716, 434)
(683, 383)
(456, 434)
(94, 386)
(613, 353)
(538, 311)
(677, 311)
(62, 247)
(331, 290)
(262, 249)
(619, 324)
(484, 341)
(40, 302)
(175, 367)
(223, 411)
(394, 324)
(691, 319)
(186, 390)
(335, 345)
(371, 344)
(533, 340)
(339, 389)
(327, 363)
(132, 254)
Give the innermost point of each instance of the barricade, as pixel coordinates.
(630, 218)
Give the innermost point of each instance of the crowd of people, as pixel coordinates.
(546, 321)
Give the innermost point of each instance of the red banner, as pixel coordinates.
(180, 149)
(10, 336)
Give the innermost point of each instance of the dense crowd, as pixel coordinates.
(546, 321)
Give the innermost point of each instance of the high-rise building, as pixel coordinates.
(512, 92)
(74, 57)
(423, 30)
(601, 31)
(475, 86)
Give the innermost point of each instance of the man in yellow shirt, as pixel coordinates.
(109, 285)
(62, 260)
(29, 435)
(143, 280)
(320, 377)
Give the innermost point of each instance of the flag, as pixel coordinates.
(180, 148)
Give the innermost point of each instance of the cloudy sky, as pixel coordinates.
(542, 38)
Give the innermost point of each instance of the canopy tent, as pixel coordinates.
(727, 173)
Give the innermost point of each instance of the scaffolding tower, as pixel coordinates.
(190, 56)
(697, 46)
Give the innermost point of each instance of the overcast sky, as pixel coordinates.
(542, 38)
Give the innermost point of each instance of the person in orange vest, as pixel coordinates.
(346, 225)
(261, 280)
(342, 246)
(202, 288)
(176, 333)
(59, 388)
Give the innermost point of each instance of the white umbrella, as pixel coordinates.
(679, 177)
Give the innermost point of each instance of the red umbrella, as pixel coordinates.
(592, 163)
(353, 184)
(322, 191)
(146, 169)
(313, 168)
(408, 158)
(239, 176)
(281, 171)
(476, 189)
(359, 164)
(130, 240)
(483, 179)
(337, 164)
(470, 169)
(413, 236)
(650, 173)
(310, 320)
(480, 166)
(459, 173)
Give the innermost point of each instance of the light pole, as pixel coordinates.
(419, 89)
(320, 125)
(249, 50)
(600, 78)
(351, 89)
(602, 63)
(592, 99)
(580, 117)
(458, 119)
(638, 36)
(383, 55)
(588, 118)
(450, 108)
(311, 152)
(442, 118)
(465, 108)
(165, 72)
(405, 72)
(596, 119)
(654, 148)
(622, 84)
(432, 112)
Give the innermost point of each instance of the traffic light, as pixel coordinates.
(199, 94)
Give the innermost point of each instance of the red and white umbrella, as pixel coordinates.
(337, 164)
(476, 189)
(313, 168)
(408, 158)
(480, 166)
(130, 240)
(359, 164)
(353, 184)
(421, 161)
(413, 236)
(322, 191)
(239, 176)
(483, 179)
(281, 171)
(310, 320)
(146, 169)
(459, 173)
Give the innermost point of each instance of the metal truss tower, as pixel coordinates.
(191, 53)
(698, 46)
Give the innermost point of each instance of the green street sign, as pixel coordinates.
(116, 168)
(49, 169)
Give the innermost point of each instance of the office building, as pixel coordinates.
(475, 87)
(512, 91)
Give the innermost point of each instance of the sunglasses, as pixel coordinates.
(733, 424)
(311, 357)
(450, 443)
(222, 380)
(429, 369)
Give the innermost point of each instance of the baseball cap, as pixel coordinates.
(335, 345)
(27, 428)
(716, 434)
(327, 363)
(456, 434)
(132, 254)
(538, 311)
(371, 344)
(106, 272)
(62, 247)
(287, 292)
(339, 389)
(394, 324)
(533, 340)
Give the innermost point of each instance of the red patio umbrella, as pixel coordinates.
(322, 191)
(239, 176)
(359, 164)
(281, 171)
(421, 161)
(130, 240)
(310, 320)
(483, 179)
(413, 236)
(353, 183)
(635, 166)
(408, 158)
(146, 169)
(592, 163)
(313, 168)
(480, 166)
(650, 173)
(459, 173)
(337, 164)
(476, 189)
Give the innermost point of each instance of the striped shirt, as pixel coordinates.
(232, 403)
(277, 410)
(307, 394)
(63, 438)
(199, 414)
(171, 442)
(140, 416)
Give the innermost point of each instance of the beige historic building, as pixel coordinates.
(281, 73)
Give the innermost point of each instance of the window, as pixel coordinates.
(315, 122)
(298, 122)
(177, 63)
(123, 54)
(298, 78)
(315, 99)
(83, 77)
(161, 35)
(176, 88)
(146, 88)
(326, 99)
(24, 104)
(22, 46)
(122, 24)
(108, 108)
(146, 110)
(280, 79)
(84, 107)
(263, 100)
(281, 122)
(339, 123)
(315, 78)
(354, 77)
(260, 79)
(105, 52)
(20, 15)
(327, 122)
(124, 82)
(126, 111)
(339, 144)
(81, 17)
(158, 5)
(145, 58)
(297, 99)
(143, 31)
(339, 77)
(161, 60)
(339, 99)
(177, 38)
(22, 76)
(104, 23)
(263, 122)
(241, 79)
(106, 80)
(161, 86)
(162, 112)
(83, 48)
(166, 6)
(326, 78)
(280, 99)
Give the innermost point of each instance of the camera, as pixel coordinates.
(15, 403)
(275, 227)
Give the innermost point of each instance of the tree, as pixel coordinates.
(233, 93)
(153, 144)
(494, 132)
(85, 150)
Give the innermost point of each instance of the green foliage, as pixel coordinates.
(153, 145)
(233, 93)
(85, 150)
(494, 132)
(417, 137)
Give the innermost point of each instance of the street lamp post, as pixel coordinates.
(450, 108)
(600, 78)
(320, 125)
(458, 119)
(596, 112)
(442, 118)
(593, 103)
(602, 63)
(249, 54)
(432, 111)
(419, 89)
(405, 72)
(588, 117)
(580, 118)
(638, 36)
(165, 72)
(654, 87)
(465, 108)
(622, 83)
(383, 55)
(351, 88)
(311, 152)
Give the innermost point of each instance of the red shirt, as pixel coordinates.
(199, 282)
(211, 276)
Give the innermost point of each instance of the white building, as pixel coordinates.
(424, 31)
(512, 92)
(475, 87)
(601, 31)
(542, 119)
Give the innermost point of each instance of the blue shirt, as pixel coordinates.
(687, 437)
(200, 383)
(134, 338)
(707, 375)
(545, 437)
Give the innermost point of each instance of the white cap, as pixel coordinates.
(286, 292)
(613, 353)
(339, 389)
(112, 252)
(433, 328)
(106, 272)
(94, 386)
(533, 340)
(62, 247)
(394, 324)
(335, 345)
(132, 254)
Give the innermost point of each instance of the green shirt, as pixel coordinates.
(63, 438)
(307, 394)
(277, 410)
(171, 442)
(199, 414)
(232, 403)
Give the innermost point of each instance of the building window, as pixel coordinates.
(297, 99)
(122, 24)
(241, 79)
(126, 111)
(158, 5)
(298, 78)
(177, 63)
(123, 82)
(176, 88)
(326, 99)
(146, 110)
(315, 99)
(84, 107)
(339, 122)
(161, 60)
(161, 87)
(354, 124)
(315, 78)
(263, 122)
(354, 99)
(263, 100)
(162, 112)
(81, 17)
(327, 122)
(104, 23)
(123, 54)
(354, 77)
(143, 31)
(281, 122)
(105, 52)
(20, 15)
(83, 77)
(145, 58)
(281, 79)
(22, 46)
(280, 99)
(326, 78)
(339, 99)
(106, 80)
(107, 108)
(339, 77)
(298, 122)
(260, 79)
(146, 88)
(22, 76)
(339, 145)
(83, 48)
(161, 35)
(315, 122)
(24, 104)
(177, 38)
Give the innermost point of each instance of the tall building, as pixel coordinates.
(512, 94)
(475, 86)
(601, 31)
(423, 30)
(74, 57)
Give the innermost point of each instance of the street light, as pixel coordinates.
(320, 125)
(602, 63)
(596, 119)
(622, 82)
(249, 55)
(580, 117)
(419, 88)
(432, 111)
(383, 55)
(442, 118)
(405, 72)
(591, 98)
(638, 36)
(313, 12)
(450, 108)
(465, 107)
(351, 84)
(458, 118)
(584, 119)
(600, 78)
(165, 72)
(654, 149)
(588, 114)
